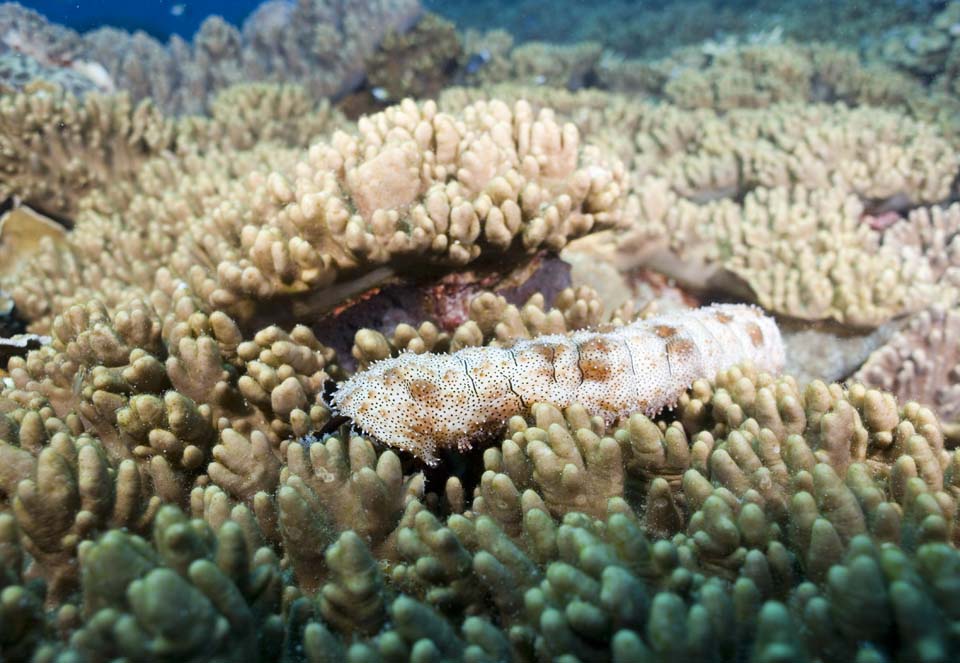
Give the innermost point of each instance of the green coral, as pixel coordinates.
(758, 521)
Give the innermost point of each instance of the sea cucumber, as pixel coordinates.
(425, 402)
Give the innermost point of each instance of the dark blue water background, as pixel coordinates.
(162, 18)
(159, 18)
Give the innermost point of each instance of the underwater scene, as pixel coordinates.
(390, 331)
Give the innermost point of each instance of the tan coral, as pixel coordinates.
(57, 148)
(136, 220)
(878, 155)
(74, 494)
(934, 233)
(521, 182)
(285, 376)
(748, 463)
(692, 168)
(804, 253)
(331, 486)
(732, 75)
(241, 116)
(836, 271)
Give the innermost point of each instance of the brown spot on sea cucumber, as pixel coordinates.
(679, 347)
(422, 427)
(422, 389)
(665, 331)
(393, 375)
(723, 318)
(595, 360)
(549, 354)
(756, 334)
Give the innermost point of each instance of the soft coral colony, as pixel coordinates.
(174, 486)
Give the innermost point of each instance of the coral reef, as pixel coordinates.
(319, 44)
(210, 242)
(518, 182)
(653, 30)
(926, 50)
(492, 57)
(56, 149)
(752, 201)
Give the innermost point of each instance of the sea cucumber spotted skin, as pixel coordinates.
(425, 402)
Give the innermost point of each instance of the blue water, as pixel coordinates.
(546, 20)
(159, 18)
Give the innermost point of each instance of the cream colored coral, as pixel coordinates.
(798, 242)
(873, 153)
(934, 233)
(55, 148)
(412, 182)
(139, 220)
(807, 253)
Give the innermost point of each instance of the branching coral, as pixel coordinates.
(173, 485)
(754, 484)
(228, 596)
(724, 76)
(136, 221)
(338, 485)
(522, 182)
(749, 192)
(879, 155)
(780, 206)
(55, 148)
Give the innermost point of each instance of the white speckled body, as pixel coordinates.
(424, 402)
